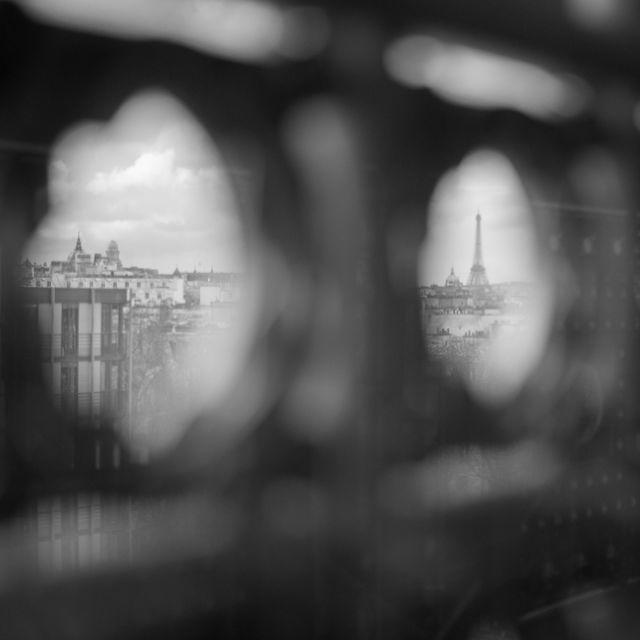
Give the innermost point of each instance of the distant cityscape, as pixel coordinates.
(129, 356)
(460, 320)
(147, 286)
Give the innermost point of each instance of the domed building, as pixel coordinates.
(452, 280)
(113, 256)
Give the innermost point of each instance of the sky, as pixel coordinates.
(152, 180)
(485, 183)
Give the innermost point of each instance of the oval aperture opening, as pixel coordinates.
(485, 294)
(135, 277)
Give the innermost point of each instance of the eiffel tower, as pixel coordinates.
(478, 274)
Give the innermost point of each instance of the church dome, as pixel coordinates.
(452, 280)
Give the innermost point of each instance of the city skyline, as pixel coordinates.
(487, 184)
(126, 263)
(152, 180)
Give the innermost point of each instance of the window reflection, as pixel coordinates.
(133, 287)
(143, 258)
(485, 296)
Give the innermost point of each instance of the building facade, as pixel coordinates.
(143, 290)
(85, 356)
(84, 352)
(81, 270)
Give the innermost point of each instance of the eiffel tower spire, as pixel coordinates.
(478, 274)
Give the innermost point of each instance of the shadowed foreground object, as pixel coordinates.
(348, 483)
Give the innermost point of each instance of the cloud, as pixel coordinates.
(150, 170)
(150, 179)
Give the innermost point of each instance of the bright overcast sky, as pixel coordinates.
(487, 183)
(150, 180)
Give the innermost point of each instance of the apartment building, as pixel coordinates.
(84, 350)
(83, 342)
